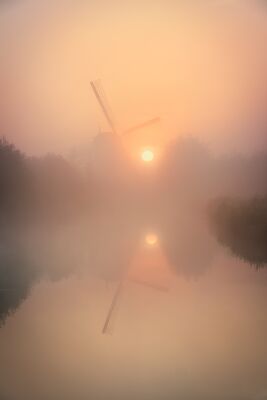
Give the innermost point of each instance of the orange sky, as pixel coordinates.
(199, 65)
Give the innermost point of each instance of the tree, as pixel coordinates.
(14, 181)
(241, 225)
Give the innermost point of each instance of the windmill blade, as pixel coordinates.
(142, 125)
(102, 101)
(107, 324)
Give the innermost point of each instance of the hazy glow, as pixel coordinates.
(147, 155)
(204, 72)
(151, 239)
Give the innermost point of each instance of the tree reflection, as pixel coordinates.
(103, 248)
(188, 245)
(47, 202)
(16, 279)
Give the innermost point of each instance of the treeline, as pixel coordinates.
(34, 192)
(44, 189)
(234, 187)
(191, 170)
(47, 191)
(50, 188)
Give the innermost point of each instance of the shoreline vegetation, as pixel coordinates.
(51, 188)
(49, 212)
(241, 226)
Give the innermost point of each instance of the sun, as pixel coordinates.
(147, 155)
(151, 239)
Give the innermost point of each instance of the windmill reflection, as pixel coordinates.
(146, 268)
(113, 248)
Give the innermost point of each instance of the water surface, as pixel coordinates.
(189, 322)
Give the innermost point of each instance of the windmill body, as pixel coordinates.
(113, 151)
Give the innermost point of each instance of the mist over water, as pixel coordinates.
(133, 260)
(190, 316)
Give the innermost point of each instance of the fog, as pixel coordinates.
(200, 66)
(202, 338)
(117, 282)
(133, 265)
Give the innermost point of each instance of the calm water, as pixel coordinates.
(189, 320)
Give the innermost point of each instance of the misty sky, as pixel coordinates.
(200, 65)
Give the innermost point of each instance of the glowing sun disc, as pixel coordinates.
(147, 155)
(151, 239)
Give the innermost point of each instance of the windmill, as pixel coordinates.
(147, 154)
(116, 297)
(132, 277)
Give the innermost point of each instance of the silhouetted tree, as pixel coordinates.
(14, 180)
(58, 190)
(35, 189)
(241, 225)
